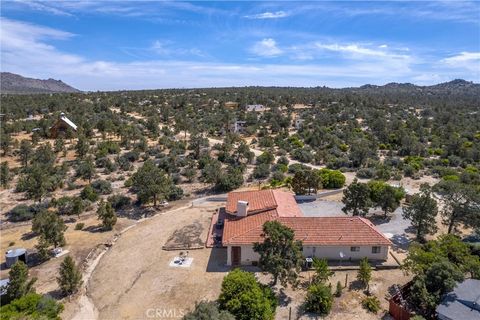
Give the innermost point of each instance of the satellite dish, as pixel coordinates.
(342, 255)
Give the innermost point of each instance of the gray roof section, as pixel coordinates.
(462, 303)
(15, 252)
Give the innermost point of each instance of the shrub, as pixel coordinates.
(118, 201)
(261, 171)
(102, 186)
(371, 303)
(176, 193)
(319, 299)
(331, 179)
(208, 310)
(366, 173)
(245, 298)
(21, 212)
(89, 193)
(79, 226)
(32, 306)
(338, 291)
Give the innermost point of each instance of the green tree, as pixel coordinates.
(86, 170)
(50, 228)
(32, 306)
(229, 180)
(331, 179)
(299, 183)
(37, 182)
(59, 145)
(245, 298)
(356, 199)
(428, 289)
(150, 182)
(70, 277)
(19, 285)
(322, 273)
(280, 254)
(4, 174)
(422, 212)
(89, 193)
(364, 274)
(107, 215)
(82, 146)
(389, 200)
(319, 299)
(25, 152)
(461, 204)
(208, 310)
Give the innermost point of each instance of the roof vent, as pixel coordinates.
(242, 208)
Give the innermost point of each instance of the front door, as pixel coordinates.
(236, 256)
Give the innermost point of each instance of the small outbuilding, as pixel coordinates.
(61, 126)
(14, 255)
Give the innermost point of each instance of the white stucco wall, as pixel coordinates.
(328, 252)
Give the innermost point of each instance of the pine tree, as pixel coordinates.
(365, 273)
(422, 212)
(106, 213)
(19, 285)
(4, 175)
(356, 198)
(70, 278)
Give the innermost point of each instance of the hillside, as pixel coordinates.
(16, 84)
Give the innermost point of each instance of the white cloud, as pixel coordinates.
(266, 48)
(463, 57)
(268, 15)
(25, 49)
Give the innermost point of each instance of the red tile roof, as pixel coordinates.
(324, 231)
(267, 205)
(264, 200)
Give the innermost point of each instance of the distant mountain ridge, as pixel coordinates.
(16, 84)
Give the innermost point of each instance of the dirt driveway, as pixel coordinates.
(133, 279)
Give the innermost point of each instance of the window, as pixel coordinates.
(355, 249)
(376, 249)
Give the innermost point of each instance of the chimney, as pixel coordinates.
(242, 208)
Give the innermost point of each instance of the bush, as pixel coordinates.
(319, 299)
(366, 173)
(32, 306)
(371, 303)
(89, 193)
(21, 212)
(245, 298)
(119, 201)
(208, 310)
(79, 226)
(102, 186)
(338, 291)
(331, 179)
(261, 171)
(176, 193)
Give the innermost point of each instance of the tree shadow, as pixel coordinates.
(401, 241)
(356, 285)
(283, 299)
(379, 219)
(56, 294)
(94, 229)
(28, 236)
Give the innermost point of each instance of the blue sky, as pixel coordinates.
(113, 45)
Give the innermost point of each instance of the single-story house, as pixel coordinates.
(333, 238)
(255, 108)
(61, 126)
(462, 303)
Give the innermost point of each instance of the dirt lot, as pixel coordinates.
(134, 276)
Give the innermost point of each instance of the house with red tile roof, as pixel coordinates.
(333, 238)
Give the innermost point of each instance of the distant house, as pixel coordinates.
(231, 104)
(238, 127)
(61, 126)
(334, 238)
(462, 303)
(299, 123)
(255, 108)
